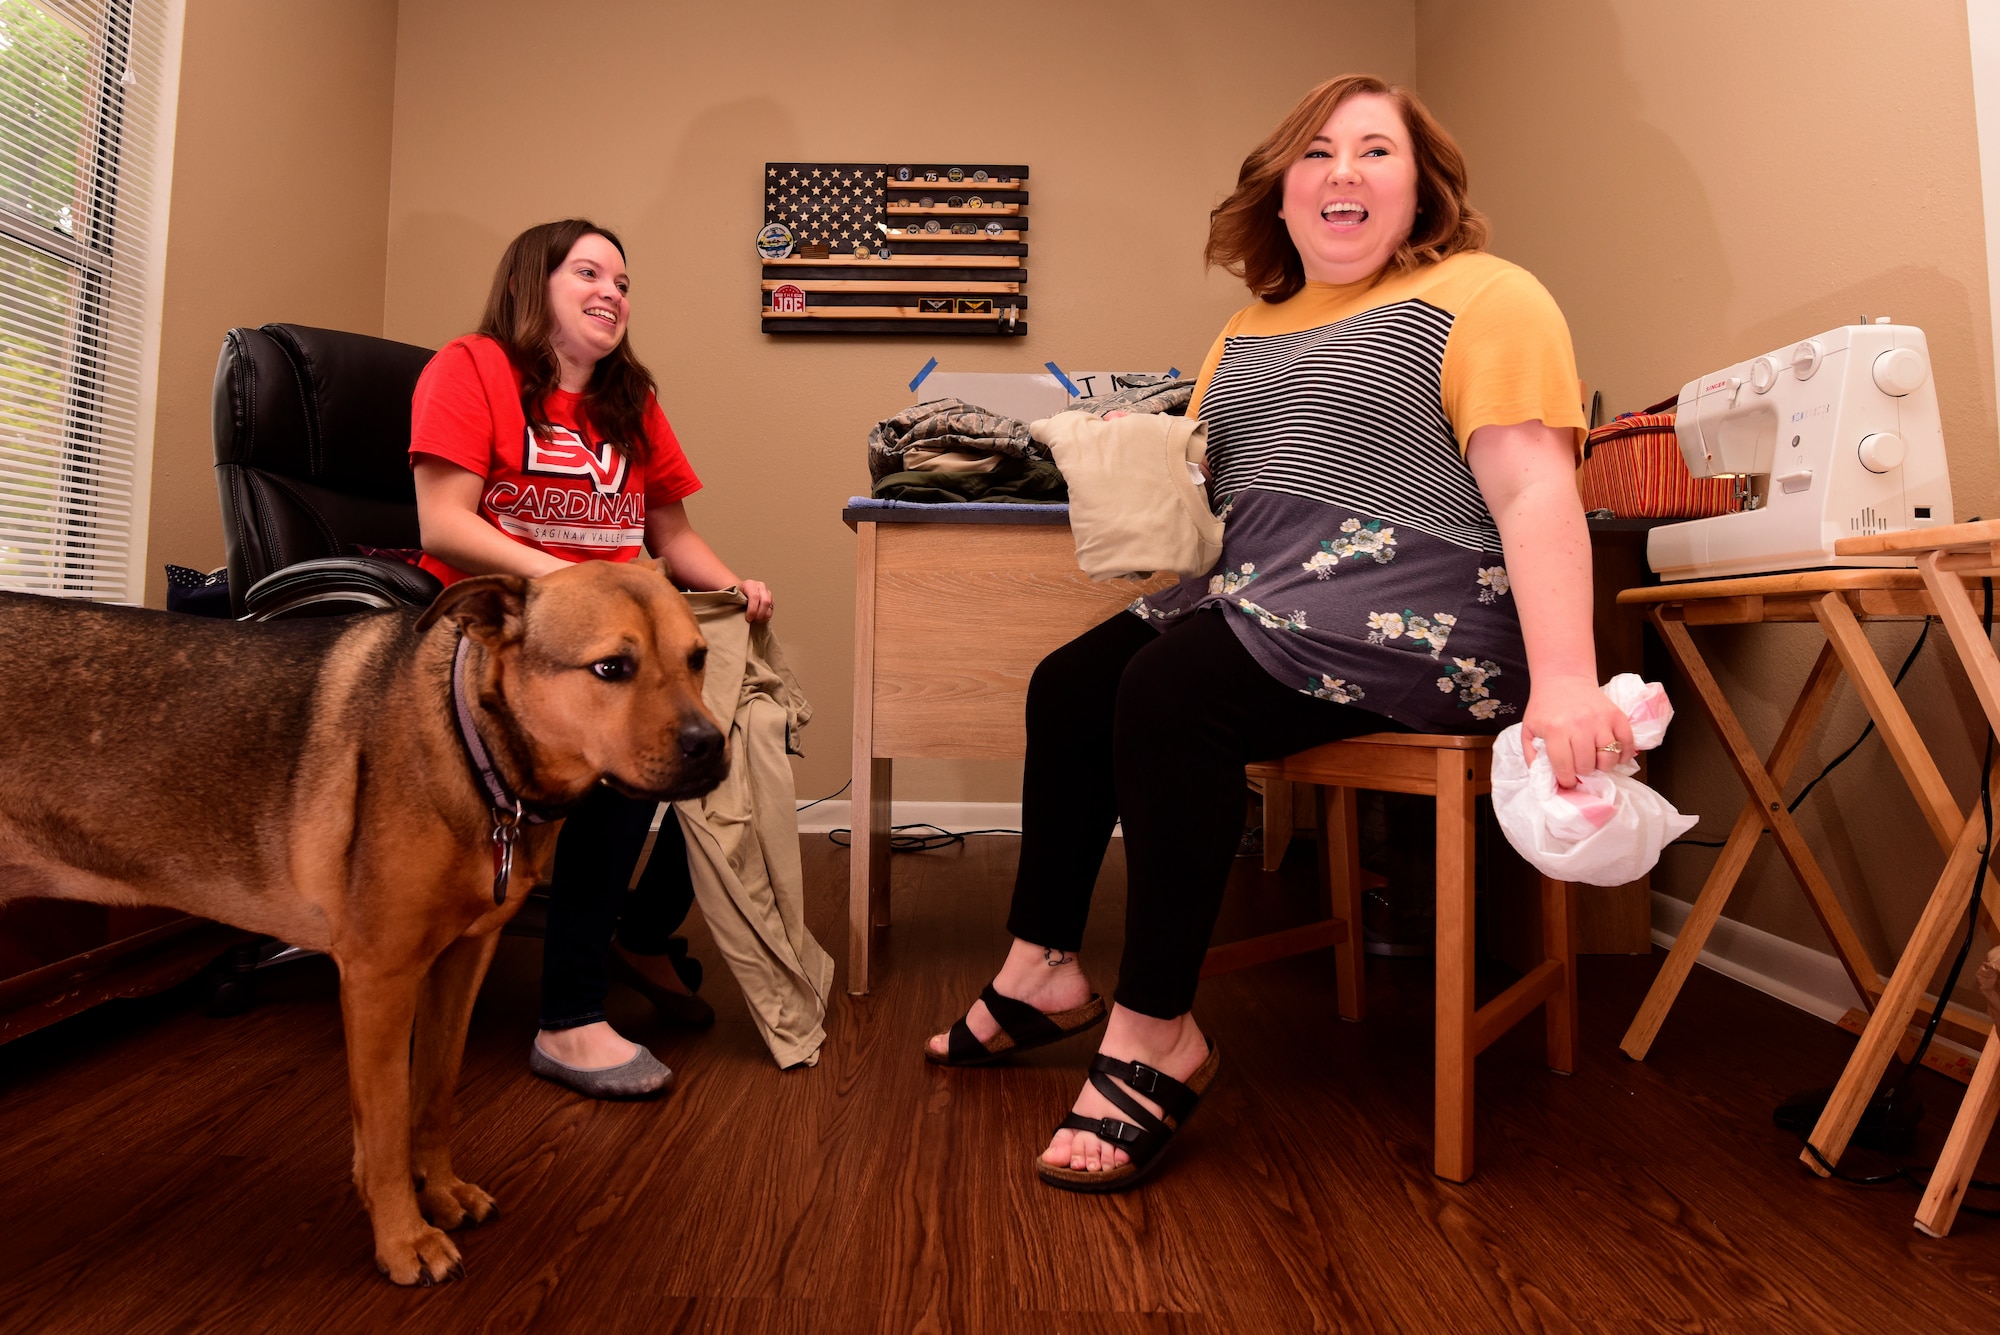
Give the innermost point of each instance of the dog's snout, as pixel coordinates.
(701, 742)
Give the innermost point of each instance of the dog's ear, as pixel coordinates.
(486, 607)
(660, 564)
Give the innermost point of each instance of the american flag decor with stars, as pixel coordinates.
(894, 248)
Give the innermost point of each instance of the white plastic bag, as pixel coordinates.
(1610, 828)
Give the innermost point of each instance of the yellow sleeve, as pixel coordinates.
(1509, 360)
(1208, 365)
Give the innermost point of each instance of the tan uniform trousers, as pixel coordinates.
(743, 838)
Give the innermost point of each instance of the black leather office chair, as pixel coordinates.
(312, 439)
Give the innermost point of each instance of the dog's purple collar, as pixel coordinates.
(509, 812)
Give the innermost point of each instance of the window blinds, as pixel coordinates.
(85, 122)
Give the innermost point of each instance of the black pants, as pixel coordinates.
(1154, 728)
(589, 903)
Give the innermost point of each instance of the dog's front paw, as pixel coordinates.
(426, 1256)
(451, 1203)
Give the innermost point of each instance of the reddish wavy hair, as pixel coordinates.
(1246, 237)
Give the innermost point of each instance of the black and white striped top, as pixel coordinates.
(1348, 414)
(1360, 561)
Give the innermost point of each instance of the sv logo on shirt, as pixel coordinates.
(564, 454)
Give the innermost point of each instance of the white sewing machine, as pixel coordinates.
(1830, 438)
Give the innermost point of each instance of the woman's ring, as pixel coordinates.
(1613, 747)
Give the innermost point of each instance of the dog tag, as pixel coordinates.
(506, 829)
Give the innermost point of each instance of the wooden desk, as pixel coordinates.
(952, 611)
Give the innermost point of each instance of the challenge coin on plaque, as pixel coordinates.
(930, 176)
(994, 229)
(902, 173)
(774, 241)
(932, 225)
(956, 174)
(924, 202)
(955, 202)
(788, 300)
(981, 175)
(975, 202)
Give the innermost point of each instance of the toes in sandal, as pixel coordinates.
(1146, 1137)
(1021, 1027)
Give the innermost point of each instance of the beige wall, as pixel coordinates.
(656, 119)
(280, 207)
(1704, 181)
(1814, 163)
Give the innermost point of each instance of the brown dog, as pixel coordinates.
(309, 780)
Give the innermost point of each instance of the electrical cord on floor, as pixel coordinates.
(1919, 1176)
(1833, 764)
(915, 843)
(803, 806)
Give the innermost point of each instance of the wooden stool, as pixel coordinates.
(1454, 770)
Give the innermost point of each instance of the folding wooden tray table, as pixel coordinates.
(1838, 601)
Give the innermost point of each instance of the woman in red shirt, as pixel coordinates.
(536, 442)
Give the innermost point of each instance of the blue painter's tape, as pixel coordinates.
(1056, 371)
(1173, 373)
(929, 366)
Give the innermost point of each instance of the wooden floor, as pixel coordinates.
(165, 1171)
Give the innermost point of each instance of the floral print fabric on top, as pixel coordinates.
(1361, 611)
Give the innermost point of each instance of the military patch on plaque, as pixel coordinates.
(975, 305)
(788, 300)
(775, 241)
(934, 305)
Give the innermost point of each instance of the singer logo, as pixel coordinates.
(564, 454)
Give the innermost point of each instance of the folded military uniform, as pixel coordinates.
(1137, 503)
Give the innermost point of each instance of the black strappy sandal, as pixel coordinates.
(1021, 1027)
(1146, 1137)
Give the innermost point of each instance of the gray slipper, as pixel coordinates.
(642, 1077)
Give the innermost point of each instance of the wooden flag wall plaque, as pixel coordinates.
(894, 248)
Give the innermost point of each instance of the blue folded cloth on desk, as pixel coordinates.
(870, 503)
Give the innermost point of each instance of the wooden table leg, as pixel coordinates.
(1277, 822)
(1791, 842)
(1899, 731)
(1455, 1041)
(870, 783)
(1969, 1131)
(1559, 943)
(1928, 943)
(1962, 622)
(1340, 877)
(1736, 851)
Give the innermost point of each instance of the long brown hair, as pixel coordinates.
(517, 318)
(1246, 236)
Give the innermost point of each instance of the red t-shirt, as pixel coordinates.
(559, 492)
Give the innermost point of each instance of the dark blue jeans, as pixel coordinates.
(589, 903)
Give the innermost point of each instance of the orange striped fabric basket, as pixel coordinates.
(1633, 468)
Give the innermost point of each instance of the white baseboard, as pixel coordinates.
(958, 817)
(1800, 976)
